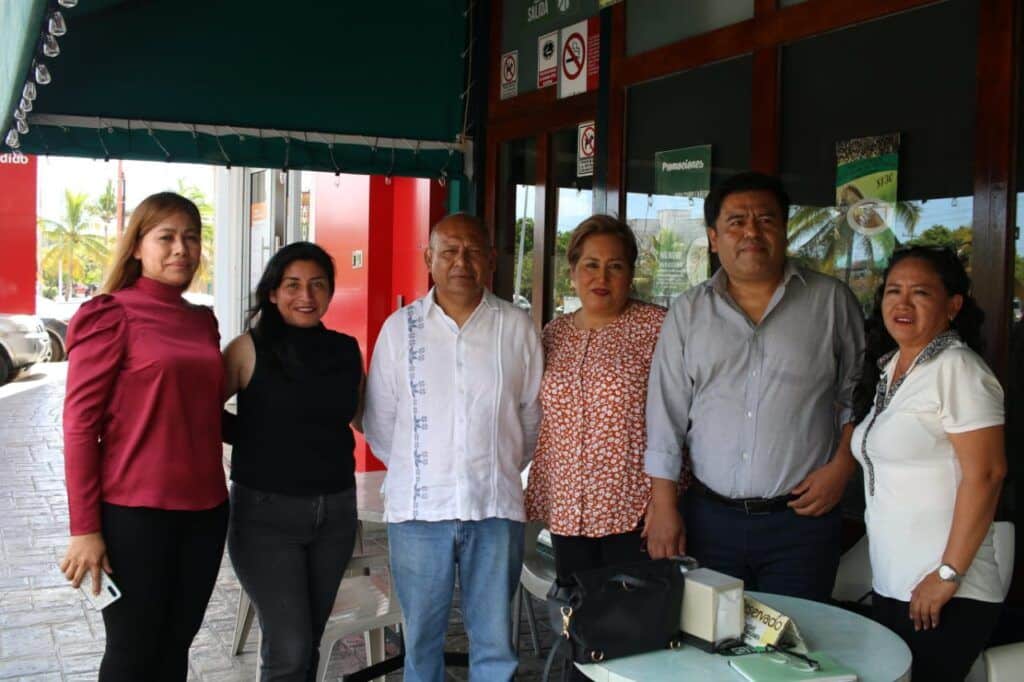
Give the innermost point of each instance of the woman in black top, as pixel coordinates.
(293, 501)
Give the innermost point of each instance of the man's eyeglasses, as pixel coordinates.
(791, 658)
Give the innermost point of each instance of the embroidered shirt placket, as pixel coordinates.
(884, 392)
(417, 389)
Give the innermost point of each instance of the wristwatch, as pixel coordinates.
(949, 574)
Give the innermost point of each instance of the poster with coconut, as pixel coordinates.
(855, 238)
(866, 182)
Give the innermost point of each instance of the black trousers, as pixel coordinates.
(289, 554)
(165, 563)
(573, 553)
(781, 552)
(948, 651)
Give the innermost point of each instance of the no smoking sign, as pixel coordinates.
(574, 56)
(578, 58)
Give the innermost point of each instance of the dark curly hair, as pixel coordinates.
(945, 262)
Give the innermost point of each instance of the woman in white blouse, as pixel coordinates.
(931, 444)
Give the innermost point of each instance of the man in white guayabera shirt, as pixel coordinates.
(452, 409)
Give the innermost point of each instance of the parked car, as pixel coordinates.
(24, 341)
(55, 316)
(58, 331)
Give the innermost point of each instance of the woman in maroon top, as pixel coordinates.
(142, 445)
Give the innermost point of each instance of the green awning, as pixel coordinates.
(360, 86)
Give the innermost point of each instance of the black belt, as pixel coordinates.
(747, 505)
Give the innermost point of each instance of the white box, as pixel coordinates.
(712, 610)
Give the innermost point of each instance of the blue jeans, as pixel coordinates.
(489, 557)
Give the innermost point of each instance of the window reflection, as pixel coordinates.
(821, 239)
(673, 245)
(574, 206)
(522, 282)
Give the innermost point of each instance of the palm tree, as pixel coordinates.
(69, 244)
(821, 237)
(204, 278)
(105, 208)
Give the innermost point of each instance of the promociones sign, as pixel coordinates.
(683, 172)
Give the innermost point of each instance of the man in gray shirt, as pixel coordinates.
(753, 376)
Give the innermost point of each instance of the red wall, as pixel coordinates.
(389, 221)
(17, 233)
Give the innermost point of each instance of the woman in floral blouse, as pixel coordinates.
(587, 481)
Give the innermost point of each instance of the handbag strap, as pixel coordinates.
(551, 658)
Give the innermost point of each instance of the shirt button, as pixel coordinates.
(754, 373)
(749, 415)
(746, 456)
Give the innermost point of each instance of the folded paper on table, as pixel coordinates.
(764, 625)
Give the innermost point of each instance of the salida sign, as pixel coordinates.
(13, 159)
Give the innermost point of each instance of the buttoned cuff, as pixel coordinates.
(667, 465)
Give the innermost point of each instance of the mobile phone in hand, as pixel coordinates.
(109, 592)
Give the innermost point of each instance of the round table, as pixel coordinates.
(876, 653)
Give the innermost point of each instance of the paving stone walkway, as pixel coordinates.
(48, 632)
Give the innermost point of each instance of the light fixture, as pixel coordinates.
(21, 126)
(25, 105)
(12, 140)
(57, 25)
(67, 3)
(29, 91)
(50, 46)
(42, 74)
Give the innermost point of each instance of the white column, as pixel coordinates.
(229, 239)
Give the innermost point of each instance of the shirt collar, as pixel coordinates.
(489, 300)
(719, 281)
(946, 339)
(159, 290)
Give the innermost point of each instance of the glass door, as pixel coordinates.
(267, 222)
(573, 201)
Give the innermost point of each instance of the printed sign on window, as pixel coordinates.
(578, 58)
(547, 59)
(586, 141)
(510, 74)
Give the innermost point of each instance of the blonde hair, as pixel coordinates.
(126, 268)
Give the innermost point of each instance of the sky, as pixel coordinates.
(142, 178)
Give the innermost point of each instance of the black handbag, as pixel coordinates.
(619, 610)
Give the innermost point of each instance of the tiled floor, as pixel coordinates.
(47, 631)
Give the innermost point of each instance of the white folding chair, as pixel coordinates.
(1004, 663)
(1004, 542)
(365, 603)
(536, 578)
(853, 579)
